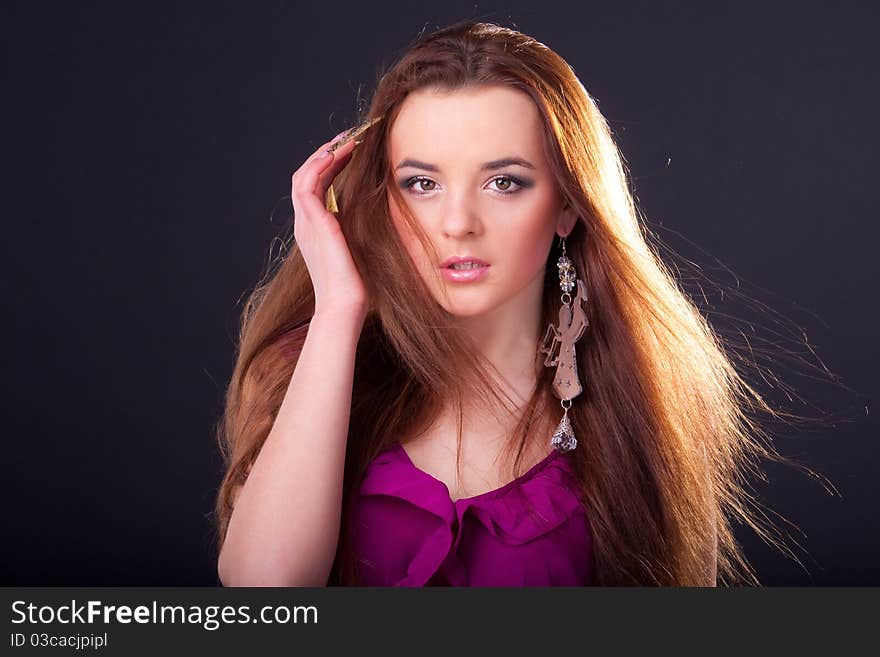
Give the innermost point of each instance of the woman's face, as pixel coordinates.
(452, 156)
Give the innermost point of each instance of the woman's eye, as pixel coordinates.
(502, 183)
(508, 181)
(422, 181)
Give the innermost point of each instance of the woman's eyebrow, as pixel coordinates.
(488, 166)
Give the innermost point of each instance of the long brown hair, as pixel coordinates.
(666, 441)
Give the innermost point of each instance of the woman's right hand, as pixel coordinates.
(338, 286)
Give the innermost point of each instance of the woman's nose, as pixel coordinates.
(460, 217)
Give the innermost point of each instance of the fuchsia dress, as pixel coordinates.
(533, 531)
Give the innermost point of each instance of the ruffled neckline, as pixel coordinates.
(533, 505)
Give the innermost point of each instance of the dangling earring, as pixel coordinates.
(558, 343)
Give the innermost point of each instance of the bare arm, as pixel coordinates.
(285, 525)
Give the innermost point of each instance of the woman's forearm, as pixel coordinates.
(285, 525)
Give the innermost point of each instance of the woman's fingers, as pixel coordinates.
(321, 167)
(341, 157)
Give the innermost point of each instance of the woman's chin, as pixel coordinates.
(464, 308)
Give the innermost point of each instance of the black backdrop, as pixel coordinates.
(146, 146)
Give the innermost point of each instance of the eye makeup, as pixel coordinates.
(521, 183)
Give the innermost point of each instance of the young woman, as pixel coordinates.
(553, 411)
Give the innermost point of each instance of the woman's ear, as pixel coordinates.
(567, 218)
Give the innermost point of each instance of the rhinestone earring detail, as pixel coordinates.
(558, 343)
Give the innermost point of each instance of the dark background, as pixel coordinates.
(146, 146)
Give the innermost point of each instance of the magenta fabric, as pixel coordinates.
(533, 531)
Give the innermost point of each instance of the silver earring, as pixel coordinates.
(558, 343)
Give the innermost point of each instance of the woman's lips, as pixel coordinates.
(464, 275)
